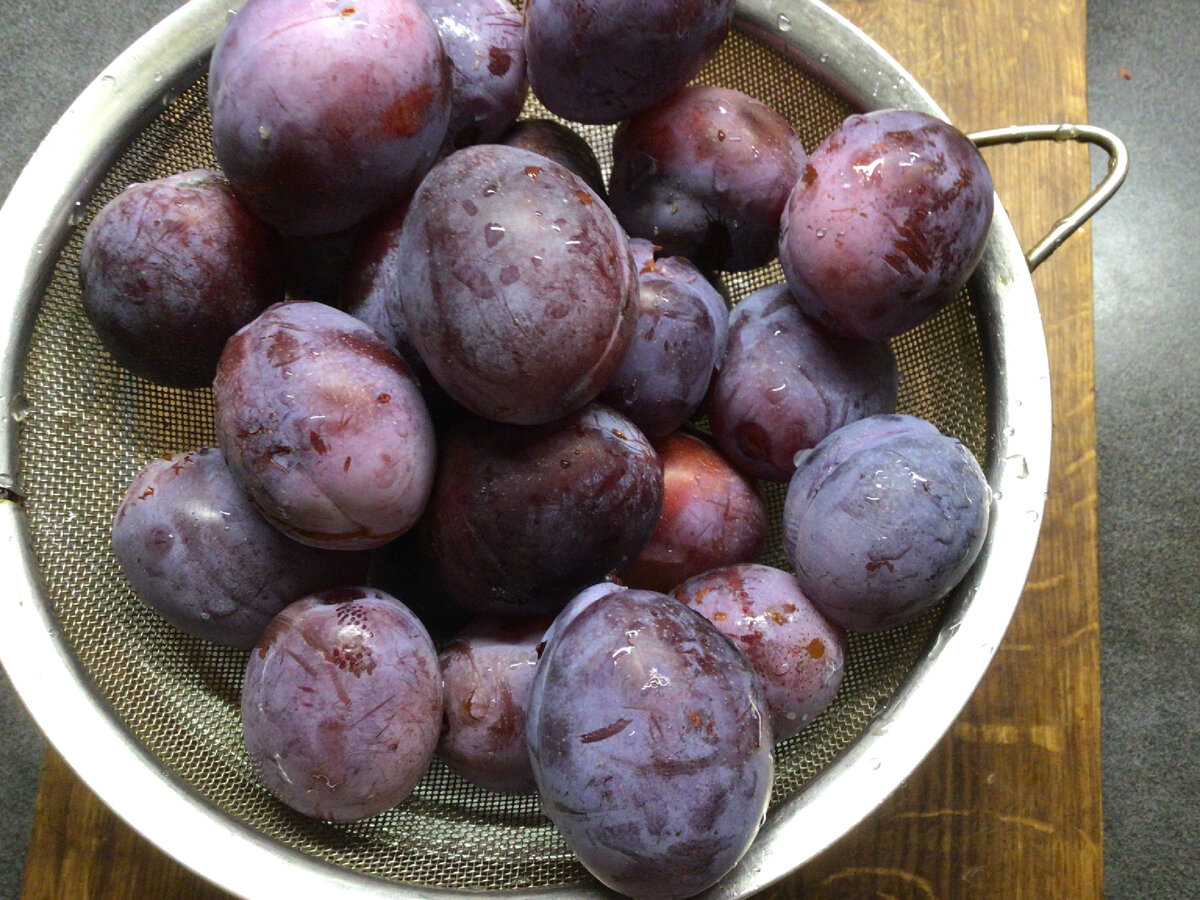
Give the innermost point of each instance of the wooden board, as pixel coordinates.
(1008, 804)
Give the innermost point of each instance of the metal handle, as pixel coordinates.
(1118, 167)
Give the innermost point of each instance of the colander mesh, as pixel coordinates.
(90, 426)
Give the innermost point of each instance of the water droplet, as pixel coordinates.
(108, 81)
(784, 23)
(1032, 515)
(1020, 463)
(76, 214)
(1009, 431)
(876, 765)
(264, 132)
(18, 408)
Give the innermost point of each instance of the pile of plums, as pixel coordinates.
(459, 502)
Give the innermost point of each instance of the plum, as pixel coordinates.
(341, 704)
(786, 382)
(487, 671)
(325, 112)
(523, 517)
(798, 653)
(705, 174)
(324, 426)
(883, 518)
(520, 291)
(712, 516)
(170, 268)
(600, 61)
(650, 743)
(886, 224)
(197, 552)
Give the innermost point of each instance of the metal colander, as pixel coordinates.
(149, 716)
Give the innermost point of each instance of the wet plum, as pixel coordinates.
(524, 517)
(886, 224)
(521, 295)
(559, 142)
(324, 426)
(650, 744)
(883, 518)
(787, 382)
(484, 42)
(197, 552)
(487, 671)
(665, 374)
(705, 174)
(798, 653)
(324, 112)
(170, 268)
(605, 60)
(342, 704)
(712, 516)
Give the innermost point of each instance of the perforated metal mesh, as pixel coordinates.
(90, 426)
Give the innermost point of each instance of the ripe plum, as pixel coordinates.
(799, 654)
(484, 42)
(324, 426)
(705, 174)
(487, 671)
(712, 516)
(650, 743)
(787, 382)
(605, 60)
(324, 112)
(170, 268)
(342, 704)
(197, 552)
(883, 518)
(521, 294)
(886, 224)
(524, 517)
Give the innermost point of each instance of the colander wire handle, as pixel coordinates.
(1118, 167)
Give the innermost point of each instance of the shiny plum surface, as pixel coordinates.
(882, 520)
(342, 704)
(485, 45)
(324, 112)
(197, 552)
(324, 426)
(787, 382)
(886, 224)
(521, 295)
(712, 516)
(705, 174)
(524, 517)
(650, 744)
(606, 60)
(487, 673)
(170, 268)
(798, 653)
(561, 143)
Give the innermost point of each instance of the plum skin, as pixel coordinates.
(799, 654)
(521, 296)
(324, 113)
(883, 518)
(886, 224)
(650, 743)
(523, 517)
(196, 551)
(787, 382)
(342, 704)
(323, 424)
(170, 268)
(705, 175)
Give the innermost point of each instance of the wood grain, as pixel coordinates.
(1008, 804)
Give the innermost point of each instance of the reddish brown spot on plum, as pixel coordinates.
(810, 176)
(533, 171)
(607, 731)
(584, 197)
(777, 617)
(499, 61)
(816, 648)
(148, 492)
(719, 616)
(347, 11)
(406, 114)
(383, 398)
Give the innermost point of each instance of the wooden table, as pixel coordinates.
(1008, 804)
